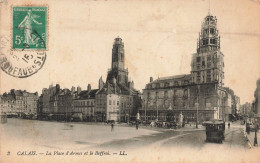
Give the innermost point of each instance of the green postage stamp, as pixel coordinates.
(29, 28)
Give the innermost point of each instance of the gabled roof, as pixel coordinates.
(7, 97)
(65, 92)
(18, 92)
(87, 94)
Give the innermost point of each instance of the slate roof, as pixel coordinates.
(111, 88)
(87, 94)
(175, 77)
(7, 97)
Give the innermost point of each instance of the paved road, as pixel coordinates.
(171, 138)
(173, 145)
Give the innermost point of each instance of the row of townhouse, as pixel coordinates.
(89, 105)
(18, 102)
(116, 99)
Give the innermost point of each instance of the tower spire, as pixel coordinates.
(209, 7)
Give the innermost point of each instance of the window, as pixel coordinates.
(174, 102)
(198, 66)
(212, 31)
(212, 41)
(117, 103)
(186, 92)
(208, 90)
(175, 92)
(203, 63)
(208, 75)
(198, 59)
(165, 94)
(110, 102)
(198, 76)
(122, 57)
(205, 42)
(206, 31)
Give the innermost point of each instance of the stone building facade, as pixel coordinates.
(19, 103)
(256, 102)
(8, 104)
(49, 104)
(200, 91)
(117, 99)
(84, 104)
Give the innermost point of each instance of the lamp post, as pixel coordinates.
(255, 140)
(157, 108)
(145, 110)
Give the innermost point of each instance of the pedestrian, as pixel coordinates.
(112, 126)
(228, 125)
(247, 128)
(152, 124)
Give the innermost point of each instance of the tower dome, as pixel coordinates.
(209, 38)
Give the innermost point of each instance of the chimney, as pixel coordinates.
(100, 83)
(132, 84)
(114, 82)
(12, 91)
(151, 79)
(89, 87)
(78, 90)
(57, 87)
(72, 89)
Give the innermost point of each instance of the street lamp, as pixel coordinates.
(255, 140)
(145, 109)
(157, 107)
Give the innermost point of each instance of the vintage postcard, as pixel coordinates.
(129, 81)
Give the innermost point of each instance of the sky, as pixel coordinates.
(159, 37)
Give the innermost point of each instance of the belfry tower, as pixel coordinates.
(118, 70)
(207, 64)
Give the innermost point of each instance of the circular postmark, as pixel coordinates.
(20, 64)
